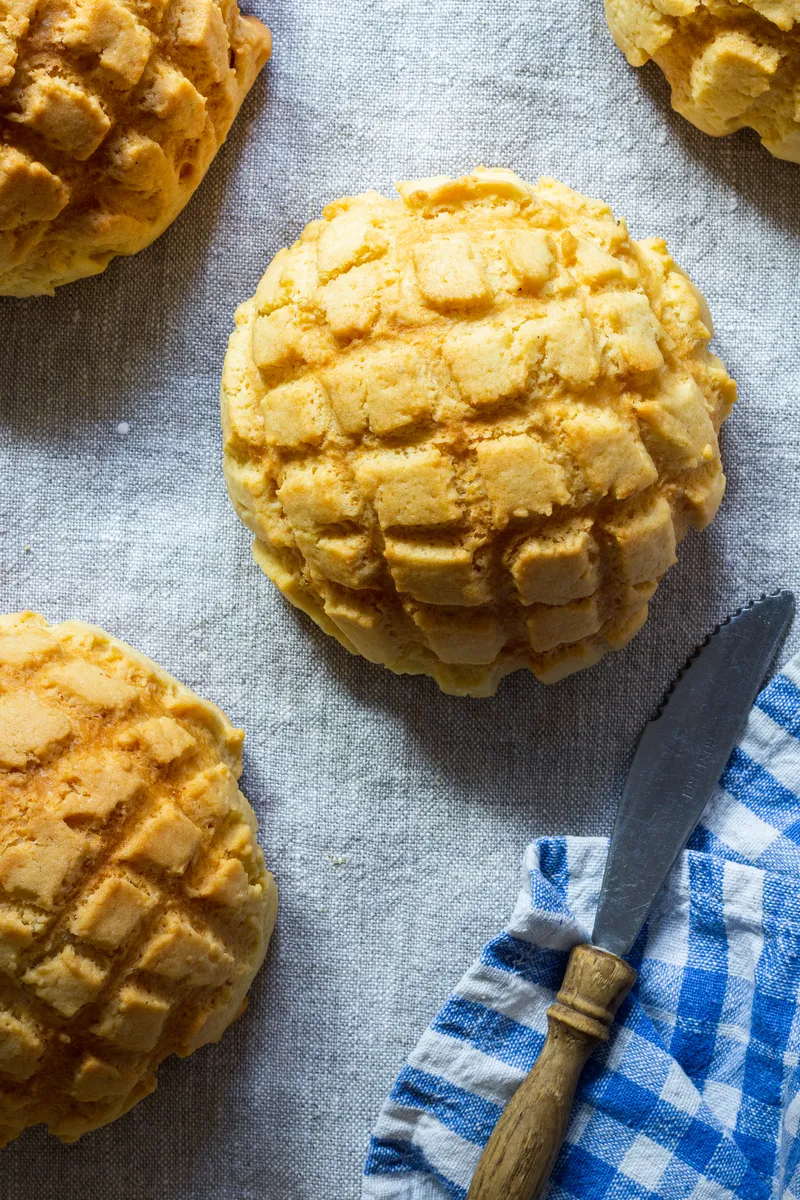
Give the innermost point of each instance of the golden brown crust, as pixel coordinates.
(110, 114)
(731, 63)
(467, 427)
(135, 907)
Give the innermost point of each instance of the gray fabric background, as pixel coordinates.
(428, 799)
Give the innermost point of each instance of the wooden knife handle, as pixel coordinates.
(519, 1156)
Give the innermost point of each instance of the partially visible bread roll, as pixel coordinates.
(731, 63)
(110, 113)
(135, 907)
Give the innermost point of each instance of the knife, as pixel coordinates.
(678, 762)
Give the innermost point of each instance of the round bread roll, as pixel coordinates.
(730, 63)
(469, 426)
(110, 114)
(135, 907)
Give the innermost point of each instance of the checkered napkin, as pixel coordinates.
(697, 1093)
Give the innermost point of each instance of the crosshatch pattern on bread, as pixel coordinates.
(468, 427)
(135, 907)
(110, 113)
(730, 63)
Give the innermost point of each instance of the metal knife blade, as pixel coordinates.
(679, 760)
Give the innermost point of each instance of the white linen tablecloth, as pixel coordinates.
(394, 817)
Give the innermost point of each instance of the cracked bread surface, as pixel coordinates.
(110, 114)
(468, 427)
(135, 907)
(730, 63)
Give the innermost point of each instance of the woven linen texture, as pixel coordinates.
(429, 800)
(697, 1093)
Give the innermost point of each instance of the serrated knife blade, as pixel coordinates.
(679, 759)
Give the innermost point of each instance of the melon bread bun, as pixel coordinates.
(730, 63)
(135, 907)
(468, 427)
(110, 114)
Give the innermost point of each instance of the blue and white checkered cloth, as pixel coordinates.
(697, 1093)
